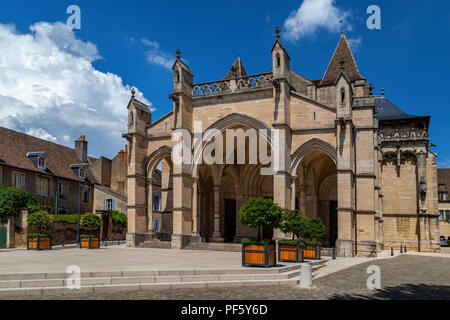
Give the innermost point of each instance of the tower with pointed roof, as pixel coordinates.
(334, 151)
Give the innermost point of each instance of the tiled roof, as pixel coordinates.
(15, 145)
(342, 58)
(386, 110)
(443, 176)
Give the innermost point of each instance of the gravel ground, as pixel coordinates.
(404, 277)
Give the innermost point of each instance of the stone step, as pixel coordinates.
(111, 288)
(46, 283)
(140, 273)
(211, 246)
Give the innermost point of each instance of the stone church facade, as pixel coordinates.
(353, 159)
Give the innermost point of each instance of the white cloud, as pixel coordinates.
(355, 43)
(50, 89)
(156, 56)
(42, 134)
(311, 16)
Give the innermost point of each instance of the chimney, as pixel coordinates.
(124, 154)
(81, 148)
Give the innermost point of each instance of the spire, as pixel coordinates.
(178, 54)
(382, 92)
(237, 70)
(277, 32)
(133, 92)
(342, 60)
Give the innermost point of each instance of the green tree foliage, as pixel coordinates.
(260, 213)
(13, 200)
(312, 228)
(120, 218)
(291, 222)
(40, 220)
(91, 222)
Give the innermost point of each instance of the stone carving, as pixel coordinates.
(211, 87)
(403, 135)
(422, 189)
(262, 80)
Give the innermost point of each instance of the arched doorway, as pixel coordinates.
(315, 186)
(160, 194)
(225, 186)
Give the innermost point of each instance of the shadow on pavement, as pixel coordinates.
(402, 292)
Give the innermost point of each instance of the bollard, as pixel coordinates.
(305, 276)
(334, 253)
(405, 248)
(392, 251)
(401, 249)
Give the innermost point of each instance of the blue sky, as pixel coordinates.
(132, 43)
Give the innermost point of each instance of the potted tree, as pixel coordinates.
(290, 250)
(41, 221)
(312, 229)
(91, 222)
(259, 213)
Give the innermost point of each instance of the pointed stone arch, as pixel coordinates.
(220, 126)
(309, 146)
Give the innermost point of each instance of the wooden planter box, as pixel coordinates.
(91, 242)
(311, 252)
(290, 252)
(39, 243)
(259, 255)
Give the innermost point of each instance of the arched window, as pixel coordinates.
(278, 60)
(130, 118)
(177, 76)
(342, 95)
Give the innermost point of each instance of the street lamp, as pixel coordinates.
(85, 188)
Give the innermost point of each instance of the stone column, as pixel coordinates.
(239, 202)
(150, 206)
(293, 193)
(302, 202)
(344, 243)
(216, 237)
(195, 206)
(182, 206)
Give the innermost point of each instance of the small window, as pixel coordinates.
(42, 184)
(63, 188)
(86, 195)
(156, 225)
(82, 173)
(443, 196)
(278, 60)
(156, 203)
(441, 215)
(42, 163)
(130, 118)
(342, 95)
(447, 215)
(18, 180)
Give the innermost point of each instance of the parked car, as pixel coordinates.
(443, 242)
